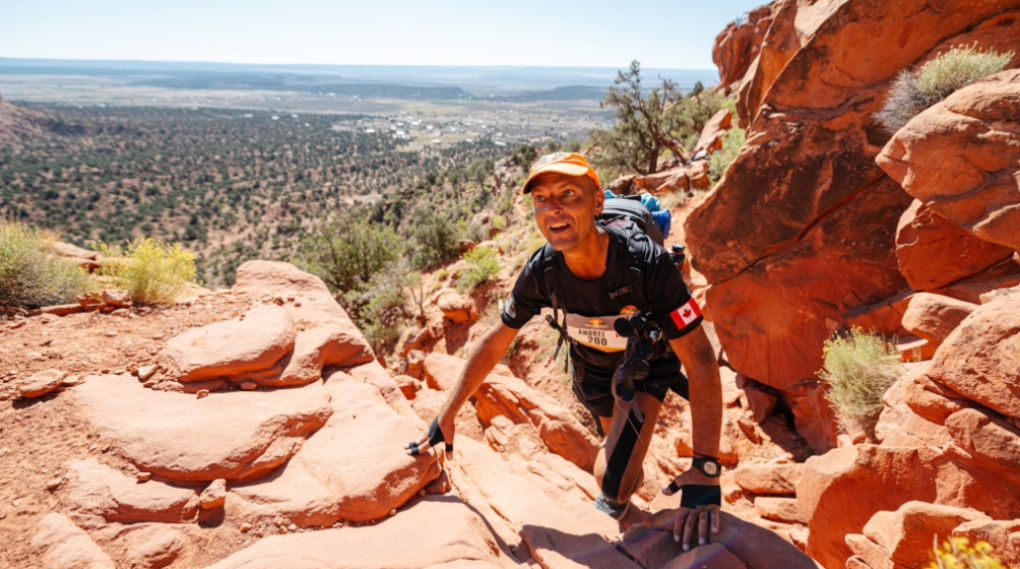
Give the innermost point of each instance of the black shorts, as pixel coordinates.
(594, 386)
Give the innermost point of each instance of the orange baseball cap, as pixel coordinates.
(569, 163)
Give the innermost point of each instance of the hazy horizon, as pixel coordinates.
(455, 33)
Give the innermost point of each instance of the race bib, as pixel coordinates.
(596, 332)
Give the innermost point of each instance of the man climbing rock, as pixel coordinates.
(598, 274)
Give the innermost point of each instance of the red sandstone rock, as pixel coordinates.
(61, 309)
(679, 179)
(457, 307)
(802, 209)
(933, 317)
(63, 545)
(778, 509)
(758, 399)
(354, 467)
(769, 478)
(248, 345)
(434, 532)
(103, 491)
(884, 317)
(906, 534)
(899, 425)
(73, 251)
(90, 300)
(236, 435)
(979, 360)
(992, 442)
(326, 337)
(755, 547)
(117, 297)
(838, 492)
(154, 546)
(738, 45)
(41, 383)
(1003, 536)
(1004, 274)
(930, 400)
(214, 495)
(959, 157)
(932, 252)
(712, 135)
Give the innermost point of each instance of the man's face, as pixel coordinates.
(565, 210)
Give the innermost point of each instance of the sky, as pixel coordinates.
(675, 34)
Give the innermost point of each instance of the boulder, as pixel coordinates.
(778, 509)
(243, 347)
(693, 176)
(738, 544)
(867, 554)
(457, 307)
(906, 534)
(41, 383)
(932, 252)
(930, 400)
(90, 300)
(73, 251)
(326, 335)
(980, 358)
(793, 24)
(960, 158)
(63, 545)
(373, 476)
(102, 491)
(768, 478)
(738, 45)
(759, 399)
(802, 227)
(992, 442)
(154, 546)
(558, 532)
(712, 135)
(899, 425)
(504, 395)
(838, 492)
(884, 317)
(117, 297)
(61, 309)
(1002, 535)
(237, 435)
(214, 495)
(437, 531)
(933, 317)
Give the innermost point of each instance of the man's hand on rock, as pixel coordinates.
(696, 520)
(440, 431)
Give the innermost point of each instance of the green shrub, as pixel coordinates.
(153, 271)
(958, 554)
(436, 239)
(483, 263)
(348, 251)
(859, 368)
(378, 306)
(30, 276)
(721, 159)
(913, 92)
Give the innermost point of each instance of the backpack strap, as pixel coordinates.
(551, 278)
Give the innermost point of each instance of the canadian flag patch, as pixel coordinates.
(687, 313)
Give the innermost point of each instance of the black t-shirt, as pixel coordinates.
(663, 293)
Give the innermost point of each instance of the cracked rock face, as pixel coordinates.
(236, 436)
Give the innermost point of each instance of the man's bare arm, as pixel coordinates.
(482, 358)
(480, 361)
(698, 357)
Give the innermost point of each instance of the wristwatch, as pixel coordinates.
(708, 466)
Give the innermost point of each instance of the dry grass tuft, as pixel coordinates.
(30, 275)
(859, 368)
(913, 92)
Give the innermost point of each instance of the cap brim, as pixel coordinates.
(559, 168)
